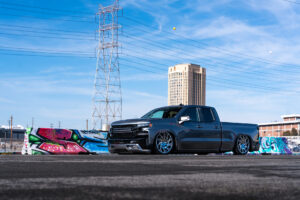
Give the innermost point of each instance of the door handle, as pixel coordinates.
(200, 126)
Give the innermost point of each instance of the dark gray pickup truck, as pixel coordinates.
(194, 129)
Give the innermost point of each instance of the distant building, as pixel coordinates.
(16, 133)
(11, 141)
(278, 128)
(186, 85)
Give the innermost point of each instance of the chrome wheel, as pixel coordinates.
(243, 144)
(164, 143)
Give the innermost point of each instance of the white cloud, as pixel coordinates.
(251, 106)
(43, 85)
(136, 104)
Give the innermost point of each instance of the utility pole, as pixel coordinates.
(107, 98)
(6, 134)
(87, 124)
(59, 124)
(11, 132)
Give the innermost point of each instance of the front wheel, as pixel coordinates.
(242, 145)
(164, 143)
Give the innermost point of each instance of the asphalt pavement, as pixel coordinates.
(150, 177)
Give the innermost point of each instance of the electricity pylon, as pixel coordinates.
(107, 98)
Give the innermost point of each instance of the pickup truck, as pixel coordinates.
(190, 128)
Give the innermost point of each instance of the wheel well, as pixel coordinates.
(251, 141)
(172, 134)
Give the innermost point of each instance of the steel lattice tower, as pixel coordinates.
(107, 98)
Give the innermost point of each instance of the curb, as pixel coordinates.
(10, 153)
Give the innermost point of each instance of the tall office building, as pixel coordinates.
(186, 84)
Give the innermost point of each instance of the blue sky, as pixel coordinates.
(250, 49)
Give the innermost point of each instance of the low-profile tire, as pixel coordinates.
(164, 143)
(242, 145)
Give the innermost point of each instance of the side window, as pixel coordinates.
(192, 113)
(206, 115)
(158, 114)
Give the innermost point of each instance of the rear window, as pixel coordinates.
(206, 115)
(192, 113)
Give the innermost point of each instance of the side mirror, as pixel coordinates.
(184, 119)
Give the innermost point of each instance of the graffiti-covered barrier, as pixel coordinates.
(279, 145)
(63, 141)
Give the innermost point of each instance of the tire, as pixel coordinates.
(164, 143)
(242, 145)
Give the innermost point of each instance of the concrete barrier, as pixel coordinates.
(63, 141)
(10, 146)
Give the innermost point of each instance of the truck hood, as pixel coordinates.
(140, 121)
(130, 121)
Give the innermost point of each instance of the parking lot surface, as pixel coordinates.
(149, 177)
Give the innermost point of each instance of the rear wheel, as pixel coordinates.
(242, 145)
(164, 143)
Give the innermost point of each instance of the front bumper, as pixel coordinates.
(134, 148)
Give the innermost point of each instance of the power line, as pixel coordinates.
(124, 17)
(205, 63)
(68, 11)
(65, 36)
(235, 83)
(234, 54)
(294, 2)
(68, 20)
(43, 8)
(44, 50)
(22, 54)
(47, 29)
(42, 36)
(137, 68)
(144, 59)
(34, 11)
(185, 52)
(259, 76)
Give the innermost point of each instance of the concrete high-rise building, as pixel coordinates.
(186, 85)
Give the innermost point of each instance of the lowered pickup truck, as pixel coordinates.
(181, 128)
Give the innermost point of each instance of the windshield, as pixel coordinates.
(162, 113)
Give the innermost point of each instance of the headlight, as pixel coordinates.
(146, 124)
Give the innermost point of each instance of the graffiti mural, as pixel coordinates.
(294, 144)
(275, 145)
(279, 145)
(63, 141)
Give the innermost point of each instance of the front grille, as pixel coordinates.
(123, 132)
